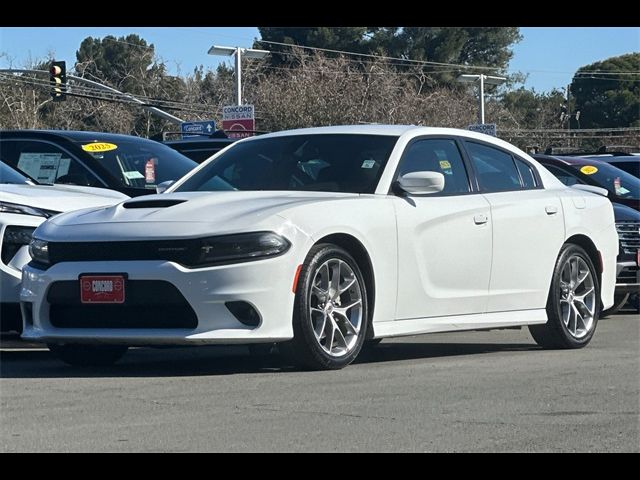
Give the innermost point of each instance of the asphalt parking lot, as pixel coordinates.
(475, 391)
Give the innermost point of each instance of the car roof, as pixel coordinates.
(73, 135)
(568, 160)
(617, 159)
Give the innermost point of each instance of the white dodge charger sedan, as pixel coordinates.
(322, 240)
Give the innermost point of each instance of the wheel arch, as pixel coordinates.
(590, 247)
(358, 251)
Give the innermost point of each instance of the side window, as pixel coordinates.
(565, 177)
(526, 173)
(437, 155)
(46, 163)
(495, 169)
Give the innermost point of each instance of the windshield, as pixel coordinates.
(140, 164)
(618, 182)
(346, 163)
(9, 175)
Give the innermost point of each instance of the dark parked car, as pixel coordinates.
(132, 165)
(628, 163)
(202, 147)
(624, 192)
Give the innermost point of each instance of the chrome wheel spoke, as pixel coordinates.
(347, 285)
(329, 336)
(581, 278)
(344, 320)
(334, 287)
(340, 338)
(320, 331)
(566, 314)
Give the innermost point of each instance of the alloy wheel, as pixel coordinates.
(335, 307)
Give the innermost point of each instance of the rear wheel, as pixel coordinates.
(330, 313)
(88, 355)
(573, 307)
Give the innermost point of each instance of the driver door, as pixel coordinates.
(444, 239)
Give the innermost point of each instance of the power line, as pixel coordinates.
(380, 57)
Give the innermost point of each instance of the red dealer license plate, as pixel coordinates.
(102, 289)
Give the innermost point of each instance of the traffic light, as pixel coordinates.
(58, 79)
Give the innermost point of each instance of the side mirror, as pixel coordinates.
(421, 183)
(164, 186)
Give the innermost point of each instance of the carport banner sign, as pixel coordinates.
(238, 121)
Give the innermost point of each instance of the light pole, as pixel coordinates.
(238, 52)
(481, 79)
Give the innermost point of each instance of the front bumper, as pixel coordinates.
(264, 284)
(627, 277)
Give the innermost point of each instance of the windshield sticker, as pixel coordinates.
(99, 147)
(368, 164)
(445, 165)
(588, 169)
(133, 175)
(41, 166)
(150, 171)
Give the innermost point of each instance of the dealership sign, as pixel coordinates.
(486, 128)
(239, 121)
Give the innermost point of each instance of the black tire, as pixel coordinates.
(555, 334)
(304, 350)
(89, 355)
(619, 301)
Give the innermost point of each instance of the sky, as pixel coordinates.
(549, 55)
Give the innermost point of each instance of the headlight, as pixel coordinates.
(6, 207)
(14, 239)
(241, 247)
(39, 251)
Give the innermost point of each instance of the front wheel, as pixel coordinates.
(88, 355)
(330, 312)
(573, 306)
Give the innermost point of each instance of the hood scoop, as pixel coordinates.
(152, 203)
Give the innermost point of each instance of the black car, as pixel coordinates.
(132, 165)
(624, 193)
(628, 163)
(202, 147)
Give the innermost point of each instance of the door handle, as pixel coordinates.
(480, 219)
(551, 209)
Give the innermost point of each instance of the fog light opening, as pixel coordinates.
(245, 313)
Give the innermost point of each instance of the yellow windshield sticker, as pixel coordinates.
(444, 164)
(99, 147)
(588, 169)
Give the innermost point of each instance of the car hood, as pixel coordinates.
(624, 213)
(59, 198)
(183, 215)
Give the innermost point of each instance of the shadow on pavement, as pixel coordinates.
(223, 360)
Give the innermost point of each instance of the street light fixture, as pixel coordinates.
(239, 53)
(482, 79)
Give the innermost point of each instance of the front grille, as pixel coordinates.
(179, 251)
(629, 235)
(149, 304)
